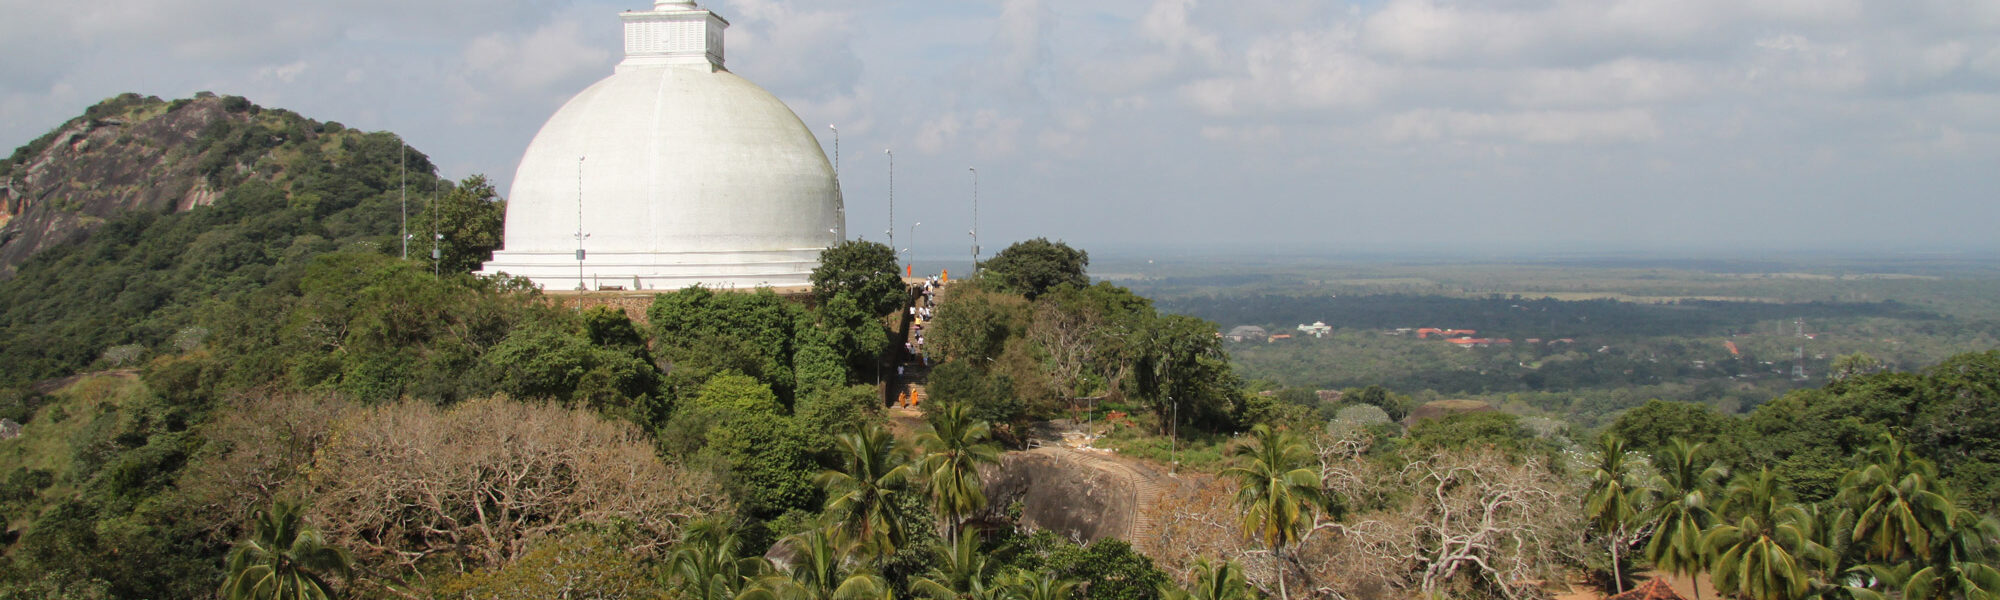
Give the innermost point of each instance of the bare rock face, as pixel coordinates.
(125, 154)
(1063, 491)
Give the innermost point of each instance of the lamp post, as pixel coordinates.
(580, 235)
(975, 218)
(405, 220)
(892, 197)
(910, 253)
(839, 196)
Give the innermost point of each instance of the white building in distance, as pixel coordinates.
(671, 172)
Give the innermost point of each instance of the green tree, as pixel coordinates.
(1279, 494)
(861, 494)
(1473, 430)
(585, 562)
(1763, 553)
(1613, 502)
(1113, 569)
(282, 558)
(1652, 427)
(1185, 376)
(698, 330)
(461, 229)
(550, 360)
(987, 396)
(973, 324)
(1960, 563)
(1377, 396)
(1212, 581)
(1021, 584)
(708, 565)
(953, 448)
(1032, 268)
(1854, 365)
(1680, 510)
(864, 271)
(1896, 502)
(822, 568)
(959, 572)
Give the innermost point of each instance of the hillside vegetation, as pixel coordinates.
(270, 191)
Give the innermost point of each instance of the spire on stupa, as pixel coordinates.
(675, 32)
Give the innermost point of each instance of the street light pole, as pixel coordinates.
(892, 198)
(911, 252)
(975, 218)
(839, 196)
(406, 200)
(580, 235)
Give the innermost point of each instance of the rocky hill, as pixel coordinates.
(133, 153)
(122, 225)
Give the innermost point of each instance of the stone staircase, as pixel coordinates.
(906, 391)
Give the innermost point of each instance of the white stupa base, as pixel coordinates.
(662, 271)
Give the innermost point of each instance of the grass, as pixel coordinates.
(44, 442)
(1200, 452)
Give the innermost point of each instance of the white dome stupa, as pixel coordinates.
(671, 172)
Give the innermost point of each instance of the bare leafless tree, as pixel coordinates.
(259, 447)
(1476, 522)
(476, 484)
(1066, 334)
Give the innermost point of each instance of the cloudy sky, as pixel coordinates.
(1613, 124)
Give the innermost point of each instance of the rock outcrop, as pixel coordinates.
(1079, 494)
(133, 153)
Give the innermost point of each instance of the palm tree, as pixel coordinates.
(1961, 559)
(706, 566)
(1212, 582)
(1279, 495)
(861, 496)
(1763, 553)
(283, 558)
(959, 573)
(1680, 511)
(953, 451)
(1023, 585)
(1896, 502)
(1613, 503)
(824, 568)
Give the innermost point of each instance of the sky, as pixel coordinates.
(1621, 125)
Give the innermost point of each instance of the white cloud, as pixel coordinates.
(555, 52)
(1074, 107)
(1539, 127)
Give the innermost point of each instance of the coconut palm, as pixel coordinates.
(959, 573)
(1763, 553)
(1613, 503)
(1024, 585)
(861, 495)
(1278, 493)
(1212, 582)
(1680, 509)
(953, 451)
(824, 567)
(283, 558)
(706, 566)
(1961, 559)
(1896, 502)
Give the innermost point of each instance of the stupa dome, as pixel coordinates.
(676, 171)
